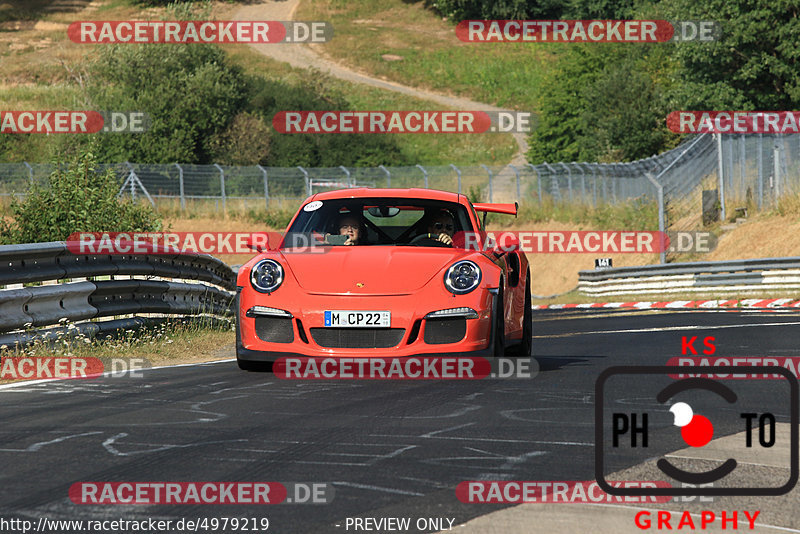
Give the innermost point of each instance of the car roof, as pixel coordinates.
(368, 192)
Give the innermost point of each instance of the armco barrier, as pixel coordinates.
(693, 277)
(153, 284)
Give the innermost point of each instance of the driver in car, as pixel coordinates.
(352, 227)
(442, 227)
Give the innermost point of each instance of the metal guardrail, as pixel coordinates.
(29, 306)
(709, 276)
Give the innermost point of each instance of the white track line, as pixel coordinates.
(671, 328)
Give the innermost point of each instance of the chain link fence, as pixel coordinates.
(738, 173)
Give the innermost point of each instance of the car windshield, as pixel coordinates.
(377, 221)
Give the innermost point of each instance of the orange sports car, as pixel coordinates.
(385, 272)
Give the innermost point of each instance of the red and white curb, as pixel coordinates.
(680, 304)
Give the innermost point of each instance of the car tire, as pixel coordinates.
(498, 326)
(525, 346)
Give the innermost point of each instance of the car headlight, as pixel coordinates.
(462, 277)
(266, 276)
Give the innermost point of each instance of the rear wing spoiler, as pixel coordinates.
(508, 209)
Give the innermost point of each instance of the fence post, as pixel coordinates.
(222, 188)
(132, 183)
(388, 175)
(30, 171)
(661, 223)
(583, 181)
(266, 187)
(180, 184)
(742, 158)
(347, 173)
(721, 171)
(759, 163)
(729, 176)
(458, 172)
(555, 190)
(776, 166)
(489, 171)
(420, 167)
(308, 180)
(538, 182)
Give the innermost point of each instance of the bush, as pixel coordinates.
(190, 93)
(274, 218)
(244, 142)
(316, 91)
(458, 10)
(78, 199)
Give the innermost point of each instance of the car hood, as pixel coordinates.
(379, 270)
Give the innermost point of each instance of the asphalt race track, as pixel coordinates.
(390, 448)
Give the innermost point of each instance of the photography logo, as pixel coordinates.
(696, 407)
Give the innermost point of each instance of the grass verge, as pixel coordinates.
(170, 343)
(411, 45)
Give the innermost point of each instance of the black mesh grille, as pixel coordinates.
(274, 329)
(440, 331)
(357, 338)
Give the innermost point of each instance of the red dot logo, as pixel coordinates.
(696, 430)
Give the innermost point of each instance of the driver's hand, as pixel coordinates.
(349, 241)
(444, 238)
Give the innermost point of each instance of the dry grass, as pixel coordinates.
(764, 236)
(210, 224)
(166, 344)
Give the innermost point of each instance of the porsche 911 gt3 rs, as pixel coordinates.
(392, 272)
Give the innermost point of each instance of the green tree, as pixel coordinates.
(605, 102)
(627, 105)
(562, 103)
(755, 63)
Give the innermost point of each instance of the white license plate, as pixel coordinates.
(357, 318)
